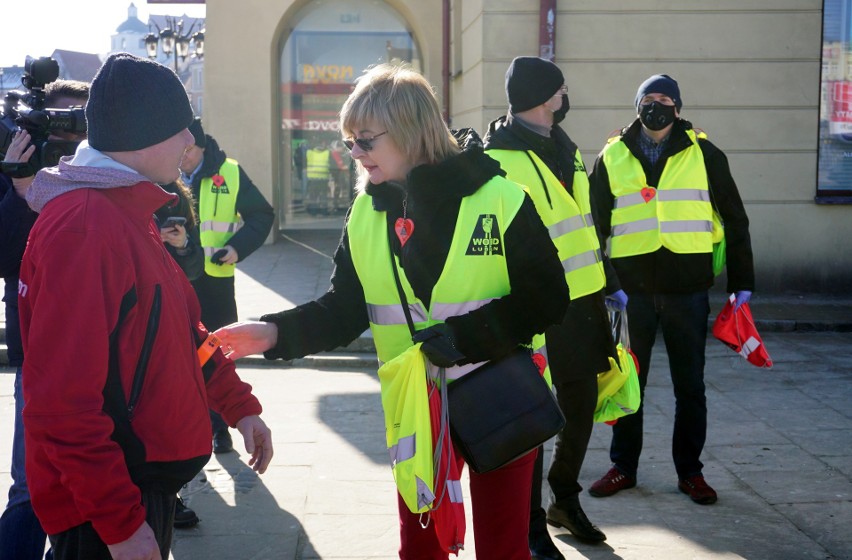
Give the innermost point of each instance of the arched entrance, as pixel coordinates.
(331, 43)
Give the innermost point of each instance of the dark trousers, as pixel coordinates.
(83, 543)
(577, 350)
(577, 398)
(218, 308)
(500, 519)
(683, 319)
(21, 535)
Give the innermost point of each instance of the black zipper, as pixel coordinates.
(142, 365)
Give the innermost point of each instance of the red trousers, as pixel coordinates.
(500, 502)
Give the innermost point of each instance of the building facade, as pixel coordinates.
(749, 70)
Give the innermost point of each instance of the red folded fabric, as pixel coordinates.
(448, 515)
(737, 330)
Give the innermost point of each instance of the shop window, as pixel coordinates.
(834, 168)
(331, 43)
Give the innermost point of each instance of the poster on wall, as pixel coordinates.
(834, 168)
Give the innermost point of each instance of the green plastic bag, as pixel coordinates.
(719, 257)
(408, 428)
(618, 388)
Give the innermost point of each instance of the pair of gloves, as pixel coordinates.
(439, 345)
(618, 299)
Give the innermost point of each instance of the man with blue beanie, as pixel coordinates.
(663, 191)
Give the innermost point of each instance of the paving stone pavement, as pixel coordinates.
(779, 447)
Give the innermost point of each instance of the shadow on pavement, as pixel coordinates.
(240, 517)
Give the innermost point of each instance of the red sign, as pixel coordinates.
(841, 108)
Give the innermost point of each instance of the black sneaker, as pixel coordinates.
(184, 517)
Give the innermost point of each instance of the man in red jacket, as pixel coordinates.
(116, 416)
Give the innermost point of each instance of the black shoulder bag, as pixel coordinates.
(499, 411)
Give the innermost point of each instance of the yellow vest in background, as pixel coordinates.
(218, 216)
(568, 219)
(318, 164)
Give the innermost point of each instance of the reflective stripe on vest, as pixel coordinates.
(493, 206)
(218, 216)
(677, 214)
(317, 167)
(403, 450)
(568, 219)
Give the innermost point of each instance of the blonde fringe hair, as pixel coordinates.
(401, 101)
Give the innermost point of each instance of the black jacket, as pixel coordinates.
(434, 192)
(256, 212)
(665, 272)
(581, 345)
(16, 221)
(191, 258)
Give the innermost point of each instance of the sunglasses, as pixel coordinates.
(365, 144)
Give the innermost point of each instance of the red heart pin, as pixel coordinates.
(648, 193)
(404, 228)
(540, 362)
(218, 180)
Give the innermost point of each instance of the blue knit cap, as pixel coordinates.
(659, 83)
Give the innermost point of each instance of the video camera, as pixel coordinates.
(26, 110)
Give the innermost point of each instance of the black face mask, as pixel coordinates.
(559, 114)
(657, 116)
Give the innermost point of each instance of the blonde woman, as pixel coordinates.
(472, 255)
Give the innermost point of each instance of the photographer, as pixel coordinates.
(20, 530)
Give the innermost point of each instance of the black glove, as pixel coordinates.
(216, 258)
(439, 345)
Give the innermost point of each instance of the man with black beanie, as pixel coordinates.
(664, 191)
(116, 415)
(534, 151)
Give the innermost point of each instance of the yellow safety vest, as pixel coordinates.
(217, 212)
(568, 219)
(677, 214)
(476, 252)
(408, 429)
(318, 164)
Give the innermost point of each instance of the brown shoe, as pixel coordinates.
(613, 481)
(697, 489)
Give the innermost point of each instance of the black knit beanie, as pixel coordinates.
(134, 103)
(659, 83)
(531, 81)
(198, 132)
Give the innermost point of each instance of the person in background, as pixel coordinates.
(21, 534)
(536, 152)
(178, 226)
(661, 189)
(318, 170)
(179, 230)
(234, 220)
(116, 416)
(426, 201)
